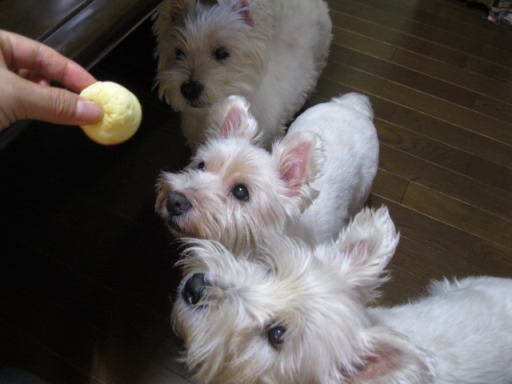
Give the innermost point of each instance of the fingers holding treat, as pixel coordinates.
(122, 113)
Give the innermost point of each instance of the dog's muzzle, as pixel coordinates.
(194, 289)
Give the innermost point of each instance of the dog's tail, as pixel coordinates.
(357, 102)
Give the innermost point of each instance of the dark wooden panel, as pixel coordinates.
(461, 215)
(437, 70)
(491, 173)
(382, 36)
(428, 32)
(485, 125)
(361, 43)
(422, 147)
(396, 38)
(20, 351)
(390, 185)
(492, 107)
(38, 19)
(392, 14)
(489, 258)
(413, 79)
(446, 181)
(411, 98)
(435, 234)
(84, 30)
(453, 135)
(496, 36)
(99, 27)
(453, 10)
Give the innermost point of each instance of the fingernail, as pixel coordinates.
(88, 111)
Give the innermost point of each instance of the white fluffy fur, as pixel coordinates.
(459, 334)
(276, 48)
(317, 177)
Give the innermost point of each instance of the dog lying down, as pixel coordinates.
(294, 314)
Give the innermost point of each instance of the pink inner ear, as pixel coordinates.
(386, 359)
(356, 250)
(293, 168)
(177, 8)
(231, 123)
(242, 7)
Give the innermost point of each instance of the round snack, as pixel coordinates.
(122, 113)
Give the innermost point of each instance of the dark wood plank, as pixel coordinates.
(90, 34)
(488, 33)
(391, 38)
(492, 88)
(495, 108)
(413, 79)
(18, 351)
(485, 125)
(38, 19)
(420, 146)
(365, 82)
(419, 227)
(390, 185)
(400, 16)
(448, 182)
(453, 135)
(491, 173)
(461, 215)
(361, 43)
(430, 32)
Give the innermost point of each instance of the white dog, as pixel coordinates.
(314, 180)
(297, 315)
(270, 51)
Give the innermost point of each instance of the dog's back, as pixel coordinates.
(466, 325)
(351, 150)
(297, 55)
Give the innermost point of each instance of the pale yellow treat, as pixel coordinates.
(122, 117)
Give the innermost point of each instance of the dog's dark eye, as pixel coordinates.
(200, 166)
(180, 55)
(240, 192)
(220, 54)
(275, 336)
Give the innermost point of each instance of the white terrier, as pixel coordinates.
(297, 315)
(270, 51)
(317, 177)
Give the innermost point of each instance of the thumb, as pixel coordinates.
(59, 106)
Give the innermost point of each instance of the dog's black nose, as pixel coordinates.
(191, 90)
(177, 204)
(194, 289)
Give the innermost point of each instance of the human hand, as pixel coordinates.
(26, 69)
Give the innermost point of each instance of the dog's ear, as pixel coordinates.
(176, 9)
(363, 250)
(231, 118)
(299, 157)
(242, 8)
(392, 358)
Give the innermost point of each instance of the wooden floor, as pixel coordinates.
(87, 268)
